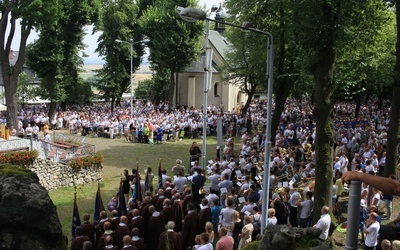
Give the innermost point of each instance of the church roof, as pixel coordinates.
(219, 44)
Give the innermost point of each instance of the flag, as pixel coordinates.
(121, 201)
(146, 181)
(98, 205)
(159, 175)
(137, 183)
(76, 220)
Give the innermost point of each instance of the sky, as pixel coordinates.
(91, 39)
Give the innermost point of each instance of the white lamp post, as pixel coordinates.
(192, 15)
(131, 76)
(207, 74)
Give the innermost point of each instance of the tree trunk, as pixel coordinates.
(112, 104)
(52, 110)
(10, 87)
(323, 109)
(177, 101)
(358, 106)
(281, 95)
(249, 99)
(393, 133)
(171, 91)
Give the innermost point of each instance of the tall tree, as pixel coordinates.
(245, 65)
(324, 33)
(278, 18)
(174, 42)
(115, 75)
(55, 55)
(33, 14)
(393, 133)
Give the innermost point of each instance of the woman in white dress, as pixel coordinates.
(245, 236)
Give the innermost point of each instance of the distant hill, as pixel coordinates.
(143, 73)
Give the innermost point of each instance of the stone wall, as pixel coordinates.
(53, 175)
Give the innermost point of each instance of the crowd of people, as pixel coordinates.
(228, 194)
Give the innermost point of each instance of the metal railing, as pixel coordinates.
(52, 151)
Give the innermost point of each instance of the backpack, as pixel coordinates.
(256, 224)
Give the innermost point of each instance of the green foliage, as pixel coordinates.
(12, 170)
(252, 245)
(17, 16)
(26, 90)
(174, 43)
(144, 89)
(55, 55)
(365, 68)
(117, 21)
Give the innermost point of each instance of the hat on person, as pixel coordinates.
(178, 161)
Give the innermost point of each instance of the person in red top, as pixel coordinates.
(225, 241)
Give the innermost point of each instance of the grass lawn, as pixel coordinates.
(120, 155)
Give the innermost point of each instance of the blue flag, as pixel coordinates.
(98, 205)
(121, 202)
(76, 220)
(138, 187)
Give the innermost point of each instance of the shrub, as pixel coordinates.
(19, 158)
(86, 161)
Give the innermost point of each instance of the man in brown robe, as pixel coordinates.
(177, 207)
(174, 239)
(100, 226)
(107, 232)
(137, 221)
(188, 199)
(122, 230)
(88, 228)
(77, 243)
(190, 226)
(159, 203)
(204, 215)
(156, 227)
(168, 213)
(136, 240)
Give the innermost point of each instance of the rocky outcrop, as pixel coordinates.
(282, 237)
(53, 175)
(28, 217)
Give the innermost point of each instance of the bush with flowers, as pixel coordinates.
(19, 158)
(86, 161)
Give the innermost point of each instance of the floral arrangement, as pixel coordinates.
(86, 161)
(19, 158)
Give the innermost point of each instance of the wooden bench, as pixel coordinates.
(14, 150)
(58, 145)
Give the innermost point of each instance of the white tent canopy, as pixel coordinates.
(3, 107)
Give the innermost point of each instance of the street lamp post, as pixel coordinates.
(131, 76)
(207, 79)
(193, 15)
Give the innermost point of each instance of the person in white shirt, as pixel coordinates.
(227, 216)
(272, 220)
(306, 208)
(372, 231)
(204, 244)
(180, 181)
(324, 223)
(214, 180)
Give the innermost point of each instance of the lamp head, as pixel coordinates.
(191, 14)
